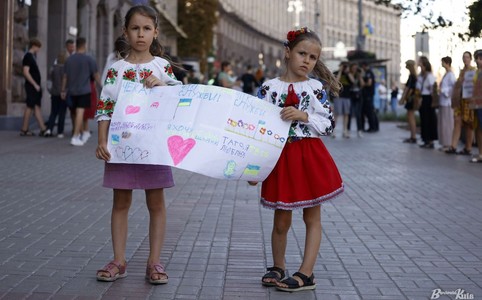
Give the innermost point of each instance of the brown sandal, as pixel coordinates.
(156, 269)
(111, 269)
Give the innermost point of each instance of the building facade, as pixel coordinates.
(249, 32)
(252, 32)
(55, 21)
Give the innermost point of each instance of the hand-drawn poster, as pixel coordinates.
(214, 131)
(475, 102)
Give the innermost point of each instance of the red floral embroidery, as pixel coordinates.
(168, 69)
(100, 104)
(129, 75)
(109, 105)
(145, 73)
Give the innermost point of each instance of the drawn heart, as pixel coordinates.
(179, 147)
(128, 152)
(131, 109)
(144, 154)
(119, 152)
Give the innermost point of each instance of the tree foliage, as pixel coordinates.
(423, 8)
(197, 18)
(475, 21)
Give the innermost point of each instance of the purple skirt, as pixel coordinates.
(137, 176)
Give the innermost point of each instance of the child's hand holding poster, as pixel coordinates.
(209, 130)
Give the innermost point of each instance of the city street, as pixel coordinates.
(408, 226)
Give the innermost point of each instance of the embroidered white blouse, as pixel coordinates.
(313, 100)
(123, 70)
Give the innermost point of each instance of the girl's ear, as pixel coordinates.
(287, 52)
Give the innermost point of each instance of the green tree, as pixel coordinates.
(423, 8)
(197, 18)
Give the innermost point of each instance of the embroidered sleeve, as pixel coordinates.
(167, 74)
(111, 76)
(109, 93)
(320, 114)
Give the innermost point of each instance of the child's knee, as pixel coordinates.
(155, 206)
(121, 205)
(282, 223)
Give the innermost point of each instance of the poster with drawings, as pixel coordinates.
(214, 131)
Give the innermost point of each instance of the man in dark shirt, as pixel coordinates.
(33, 90)
(368, 92)
(249, 81)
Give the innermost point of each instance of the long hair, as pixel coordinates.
(320, 70)
(423, 60)
(156, 48)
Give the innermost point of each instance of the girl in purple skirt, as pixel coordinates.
(143, 64)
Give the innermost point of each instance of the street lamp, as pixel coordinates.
(297, 7)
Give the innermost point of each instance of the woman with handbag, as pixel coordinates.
(411, 101)
(428, 116)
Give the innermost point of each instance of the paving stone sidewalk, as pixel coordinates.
(408, 226)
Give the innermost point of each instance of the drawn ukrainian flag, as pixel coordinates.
(251, 170)
(184, 102)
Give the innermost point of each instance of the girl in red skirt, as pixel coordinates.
(305, 174)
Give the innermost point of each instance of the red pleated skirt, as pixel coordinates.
(304, 176)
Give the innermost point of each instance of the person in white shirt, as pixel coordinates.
(445, 111)
(428, 116)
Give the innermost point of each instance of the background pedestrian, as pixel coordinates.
(33, 89)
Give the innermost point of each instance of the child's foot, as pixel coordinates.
(112, 271)
(273, 276)
(156, 274)
(298, 282)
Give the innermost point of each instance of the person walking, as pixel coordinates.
(445, 111)
(33, 89)
(79, 70)
(143, 65)
(58, 105)
(305, 174)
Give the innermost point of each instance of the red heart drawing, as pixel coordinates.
(131, 109)
(179, 147)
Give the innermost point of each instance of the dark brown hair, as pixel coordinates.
(447, 60)
(34, 42)
(156, 48)
(80, 42)
(320, 70)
